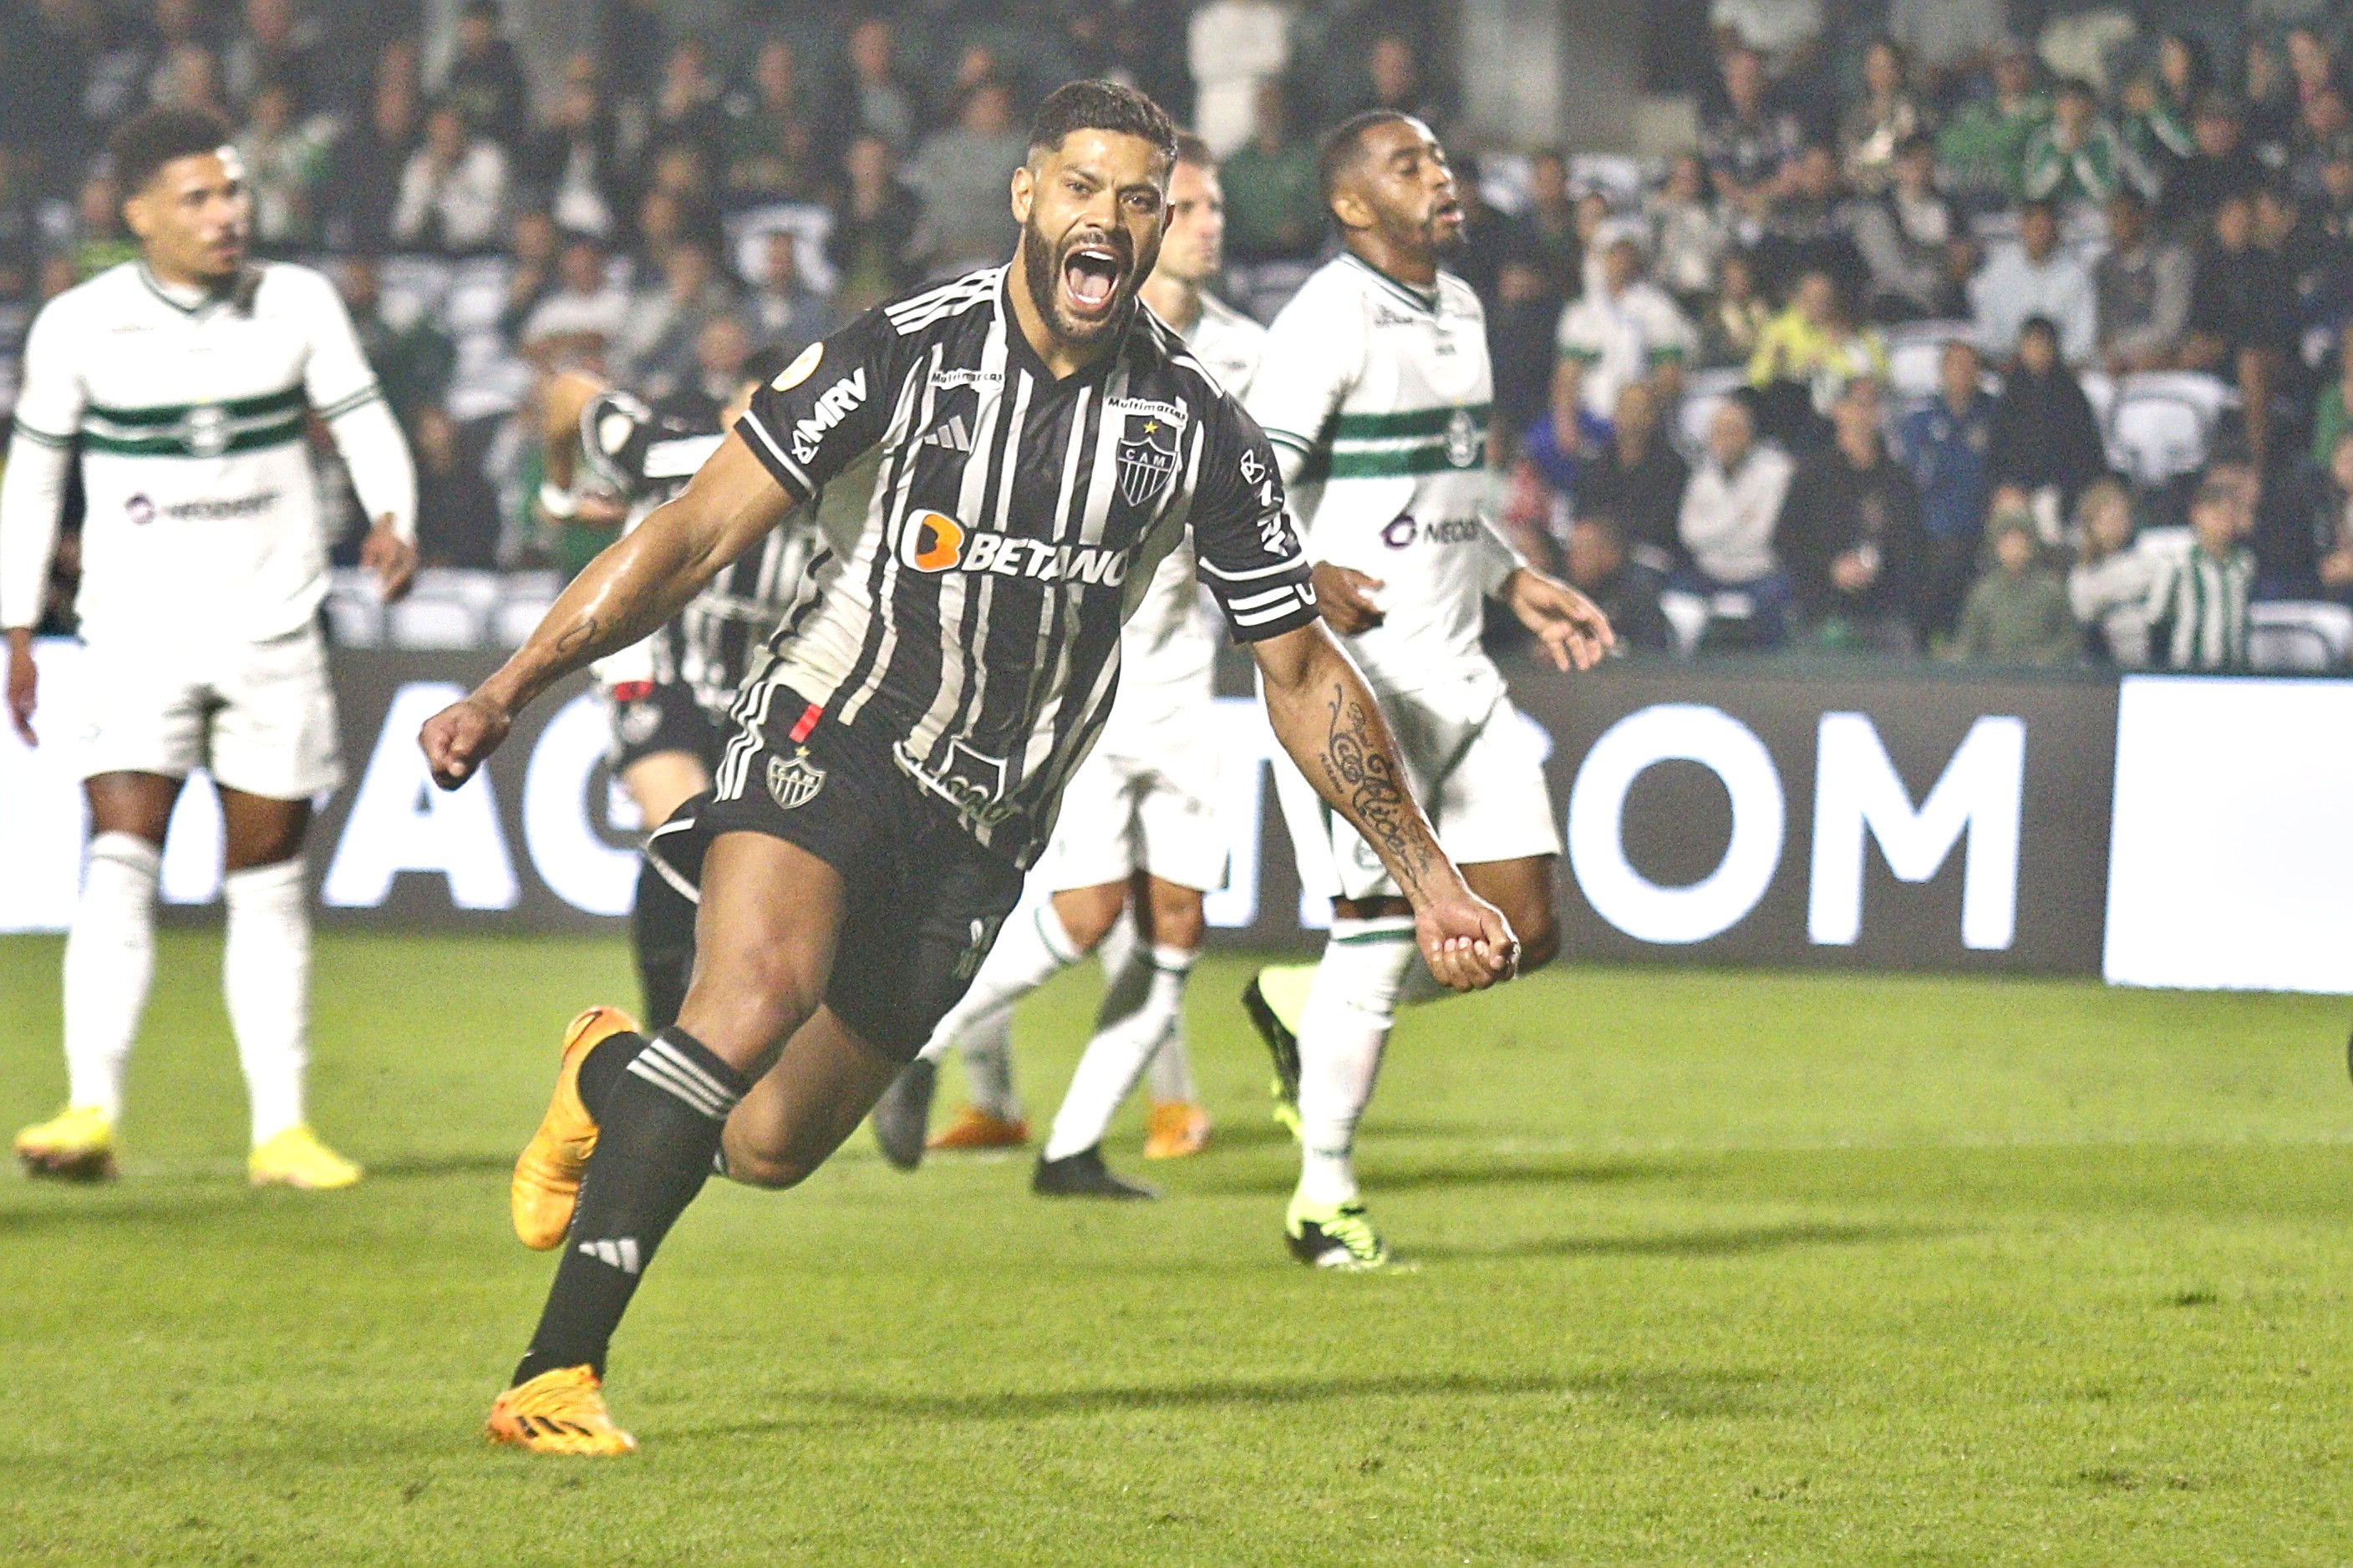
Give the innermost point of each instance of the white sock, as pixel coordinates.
(1115, 1056)
(987, 1054)
(1031, 950)
(1172, 1066)
(109, 960)
(1350, 1008)
(265, 978)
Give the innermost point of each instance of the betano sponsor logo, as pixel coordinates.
(933, 542)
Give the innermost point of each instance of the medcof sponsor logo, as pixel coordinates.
(1404, 529)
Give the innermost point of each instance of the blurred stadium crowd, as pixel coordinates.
(1958, 331)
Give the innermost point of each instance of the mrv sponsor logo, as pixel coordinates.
(834, 404)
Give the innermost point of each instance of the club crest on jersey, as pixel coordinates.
(794, 781)
(1147, 456)
(1462, 439)
(206, 429)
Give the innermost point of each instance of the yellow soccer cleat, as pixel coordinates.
(559, 1412)
(546, 1184)
(1174, 1128)
(77, 1144)
(295, 1158)
(977, 1129)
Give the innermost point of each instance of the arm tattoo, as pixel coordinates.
(578, 636)
(1363, 773)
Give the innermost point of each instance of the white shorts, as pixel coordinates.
(1146, 805)
(1482, 782)
(259, 717)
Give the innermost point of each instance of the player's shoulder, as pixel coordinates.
(102, 294)
(1456, 296)
(926, 308)
(1343, 284)
(291, 286)
(1224, 318)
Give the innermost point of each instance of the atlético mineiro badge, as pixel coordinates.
(1148, 457)
(794, 781)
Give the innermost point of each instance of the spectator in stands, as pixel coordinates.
(413, 362)
(2333, 525)
(20, 224)
(961, 174)
(2045, 438)
(2036, 278)
(683, 171)
(782, 308)
(1595, 561)
(655, 346)
(2108, 586)
(190, 78)
(368, 159)
(1913, 243)
(1623, 332)
(1881, 121)
(2241, 316)
(100, 239)
(1689, 236)
(1806, 355)
(2198, 605)
(486, 80)
(1983, 147)
(1948, 445)
(769, 147)
(1947, 39)
(572, 161)
(1235, 48)
(1551, 465)
(1725, 523)
(456, 510)
(532, 244)
(1811, 228)
(276, 44)
(1733, 322)
(1638, 478)
(2076, 155)
(1274, 209)
(1748, 143)
(284, 161)
(1394, 66)
(721, 346)
(2332, 412)
(579, 322)
(2220, 166)
(2017, 611)
(876, 100)
(2141, 286)
(2158, 108)
(453, 194)
(1849, 533)
(874, 244)
(687, 110)
(1521, 320)
(1786, 33)
(2323, 133)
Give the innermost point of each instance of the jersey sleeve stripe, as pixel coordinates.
(1291, 602)
(1285, 437)
(1259, 601)
(789, 473)
(366, 395)
(42, 437)
(1291, 564)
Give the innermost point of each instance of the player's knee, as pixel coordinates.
(1179, 924)
(1087, 914)
(753, 1001)
(768, 1171)
(1539, 935)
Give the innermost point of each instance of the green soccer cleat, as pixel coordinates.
(1335, 1236)
(1261, 999)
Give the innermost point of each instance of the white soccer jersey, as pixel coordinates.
(202, 519)
(1375, 396)
(1166, 648)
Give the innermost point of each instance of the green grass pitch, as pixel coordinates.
(1713, 1268)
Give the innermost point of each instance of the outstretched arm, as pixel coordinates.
(1326, 717)
(636, 585)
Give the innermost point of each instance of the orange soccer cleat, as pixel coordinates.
(977, 1129)
(1174, 1128)
(558, 1411)
(546, 1184)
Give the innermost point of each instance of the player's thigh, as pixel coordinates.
(764, 943)
(273, 731)
(827, 1077)
(1523, 891)
(1088, 913)
(258, 830)
(1493, 805)
(661, 782)
(1184, 843)
(1094, 839)
(143, 716)
(1174, 914)
(913, 935)
(1334, 860)
(134, 803)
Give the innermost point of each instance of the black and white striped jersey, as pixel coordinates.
(646, 459)
(1016, 520)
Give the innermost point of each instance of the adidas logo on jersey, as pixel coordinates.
(949, 433)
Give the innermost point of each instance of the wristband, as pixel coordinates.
(632, 690)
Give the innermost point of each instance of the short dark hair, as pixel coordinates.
(152, 138)
(1192, 148)
(2213, 492)
(2076, 86)
(2042, 204)
(1345, 143)
(1101, 106)
(2038, 326)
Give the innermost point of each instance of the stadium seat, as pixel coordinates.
(1913, 367)
(425, 623)
(1704, 391)
(354, 614)
(2209, 394)
(1614, 174)
(2155, 438)
(2100, 391)
(2296, 635)
(1686, 618)
(515, 619)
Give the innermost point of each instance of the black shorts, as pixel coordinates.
(923, 899)
(666, 719)
(662, 720)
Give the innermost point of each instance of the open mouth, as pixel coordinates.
(1091, 276)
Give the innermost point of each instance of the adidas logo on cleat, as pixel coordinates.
(622, 1254)
(950, 433)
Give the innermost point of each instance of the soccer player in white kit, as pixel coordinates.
(1375, 392)
(188, 377)
(1138, 831)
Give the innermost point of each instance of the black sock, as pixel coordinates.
(601, 1069)
(659, 1133)
(662, 929)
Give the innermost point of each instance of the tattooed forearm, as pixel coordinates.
(1361, 766)
(582, 633)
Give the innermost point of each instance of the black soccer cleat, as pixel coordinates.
(1085, 1175)
(1284, 1046)
(904, 1115)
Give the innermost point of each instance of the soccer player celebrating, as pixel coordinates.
(899, 762)
(188, 376)
(1375, 392)
(1138, 831)
(670, 694)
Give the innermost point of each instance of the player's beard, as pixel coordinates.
(1041, 263)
